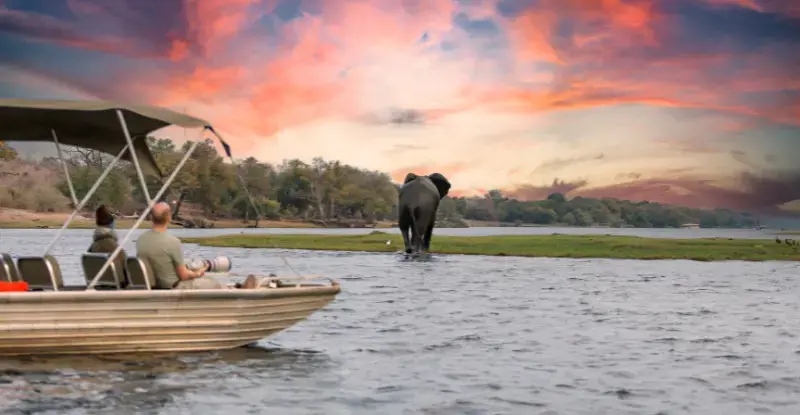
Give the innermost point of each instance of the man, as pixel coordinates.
(164, 254)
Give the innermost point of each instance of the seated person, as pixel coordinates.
(165, 255)
(104, 240)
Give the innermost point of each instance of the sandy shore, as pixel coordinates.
(12, 216)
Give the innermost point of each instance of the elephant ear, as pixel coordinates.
(410, 177)
(441, 183)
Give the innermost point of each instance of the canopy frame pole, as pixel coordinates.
(238, 173)
(139, 173)
(257, 211)
(85, 199)
(66, 169)
(144, 214)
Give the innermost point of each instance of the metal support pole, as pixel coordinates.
(238, 175)
(86, 198)
(247, 192)
(142, 181)
(144, 214)
(66, 170)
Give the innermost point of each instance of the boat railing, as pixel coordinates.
(44, 274)
(277, 280)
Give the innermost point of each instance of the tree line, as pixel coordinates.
(323, 191)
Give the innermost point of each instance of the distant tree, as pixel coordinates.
(318, 189)
(7, 153)
(557, 198)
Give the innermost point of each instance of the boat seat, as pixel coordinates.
(8, 269)
(92, 262)
(140, 275)
(40, 272)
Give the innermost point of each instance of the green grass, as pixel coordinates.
(557, 246)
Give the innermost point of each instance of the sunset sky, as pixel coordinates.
(693, 102)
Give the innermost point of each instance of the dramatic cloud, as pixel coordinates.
(686, 101)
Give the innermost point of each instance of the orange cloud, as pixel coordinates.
(677, 83)
(201, 84)
(178, 50)
(534, 33)
(481, 91)
(312, 73)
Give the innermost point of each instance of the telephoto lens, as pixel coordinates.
(218, 264)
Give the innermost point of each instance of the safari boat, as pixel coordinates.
(49, 317)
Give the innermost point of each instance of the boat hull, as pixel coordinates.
(105, 322)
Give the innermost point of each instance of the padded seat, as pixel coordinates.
(8, 269)
(41, 273)
(92, 262)
(140, 275)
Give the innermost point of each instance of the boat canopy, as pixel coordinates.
(92, 125)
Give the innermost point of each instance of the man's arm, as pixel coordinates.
(184, 273)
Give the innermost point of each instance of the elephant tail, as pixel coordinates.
(414, 215)
(419, 227)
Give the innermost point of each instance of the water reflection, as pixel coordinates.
(142, 382)
(463, 335)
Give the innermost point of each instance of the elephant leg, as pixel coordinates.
(404, 222)
(426, 242)
(416, 240)
(421, 222)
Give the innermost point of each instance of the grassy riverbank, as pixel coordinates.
(561, 246)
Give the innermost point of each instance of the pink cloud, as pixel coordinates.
(346, 61)
(214, 23)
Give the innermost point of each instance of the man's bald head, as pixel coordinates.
(161, 213)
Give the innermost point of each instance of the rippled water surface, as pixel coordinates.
(462, 335)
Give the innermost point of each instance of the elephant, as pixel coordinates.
(419, 198)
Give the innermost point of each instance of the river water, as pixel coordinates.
(461, 335)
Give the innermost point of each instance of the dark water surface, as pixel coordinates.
(462, 335)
